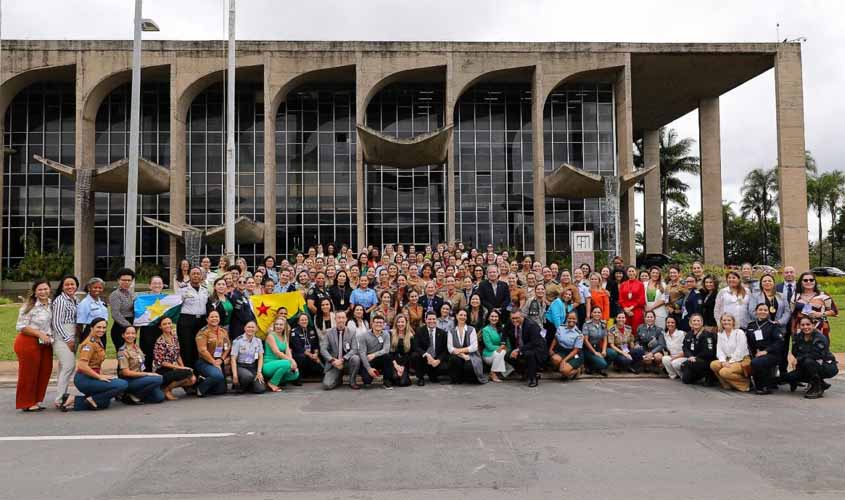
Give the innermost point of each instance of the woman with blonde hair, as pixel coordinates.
(279, 365)
(402, 347)
(733, 361)
(655, 296)
(733, 300)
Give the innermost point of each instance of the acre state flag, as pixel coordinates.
(265, 306)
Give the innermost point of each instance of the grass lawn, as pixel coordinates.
(9, 314)
(8, 318)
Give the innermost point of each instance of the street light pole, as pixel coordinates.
(134, 131)
(230, 138)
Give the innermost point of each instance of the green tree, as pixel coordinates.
(675, 158)
(834, 199)
(819, 190)
(759, 192)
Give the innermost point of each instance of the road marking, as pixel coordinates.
(115, 436)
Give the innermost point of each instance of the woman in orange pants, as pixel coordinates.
(34, 348)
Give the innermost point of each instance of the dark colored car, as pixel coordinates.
(653, 259)
(827, 271)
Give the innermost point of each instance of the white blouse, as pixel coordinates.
(731, 348)
(731, 303)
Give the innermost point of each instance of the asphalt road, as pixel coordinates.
(592, 439)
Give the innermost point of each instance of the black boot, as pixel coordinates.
(814, 391)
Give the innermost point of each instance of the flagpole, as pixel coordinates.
(230, 139)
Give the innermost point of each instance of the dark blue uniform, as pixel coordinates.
(703, 348)
(815, 362)
(764, 336)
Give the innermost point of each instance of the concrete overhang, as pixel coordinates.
(425, 149)
(113, 178)
(667, 85)
(573, 183)
(247, 231)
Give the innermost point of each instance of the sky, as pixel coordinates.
(747, 113)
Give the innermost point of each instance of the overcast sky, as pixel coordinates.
(747, 113)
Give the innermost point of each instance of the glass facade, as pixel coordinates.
(112, 144)
(206, 148)
(406, 206)
(38, 202)
(315, 167)
(493, 162)
(315, 152)
(578, 129)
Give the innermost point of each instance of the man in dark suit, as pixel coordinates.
(529, 346)
(494, 294)
(431, 354)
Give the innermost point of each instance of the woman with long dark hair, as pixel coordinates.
(709, 291)
(34, 348)
(64, 335)
(97, 388)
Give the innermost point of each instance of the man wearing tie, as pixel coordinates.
(529, 347)
(336, 346)
(494, 294)
(431, 351)
(789, 288)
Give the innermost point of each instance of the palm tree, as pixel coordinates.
(675, 158)
(759, 190)
(819, 189)
(835, 197)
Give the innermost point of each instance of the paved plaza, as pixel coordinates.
(645, 438)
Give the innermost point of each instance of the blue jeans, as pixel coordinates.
(147, 388)
(215, 381)
(101, 392)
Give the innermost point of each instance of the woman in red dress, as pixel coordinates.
(34, 348)
(632, 298)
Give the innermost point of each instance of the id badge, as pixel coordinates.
(630, 295)
(758, 334)
(218, 352)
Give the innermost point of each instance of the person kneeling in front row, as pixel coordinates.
(699, 351)
(566, 348)
(732, 362)
(372, 355)
(765, 343)
(142, 386)
(336, 347)
(248, 361)
(432, 351)
(529, 346)
(810, 360)
(213, 349)
(97, 389)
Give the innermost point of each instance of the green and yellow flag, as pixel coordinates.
(265, 306)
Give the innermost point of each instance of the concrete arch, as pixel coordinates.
(608, 74)
(92, 99)
(509, 74)
(345, 73)
(422, 74)
(17, 83)
(252, 72)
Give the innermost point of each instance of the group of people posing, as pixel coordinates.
(446, 314)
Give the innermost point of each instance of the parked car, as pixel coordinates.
(828, 271)
(653, 259)
(764, 269)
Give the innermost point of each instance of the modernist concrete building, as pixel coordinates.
(512, 143)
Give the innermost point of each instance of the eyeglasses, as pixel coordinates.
(808, 280)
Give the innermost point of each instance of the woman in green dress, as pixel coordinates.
(496, 347)
(279, 365)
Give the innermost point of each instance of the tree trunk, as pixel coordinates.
(665, 226)
(832, 244)
(821, 246)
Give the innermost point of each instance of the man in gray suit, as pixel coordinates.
(337, 345)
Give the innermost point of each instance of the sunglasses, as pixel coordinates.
(808, 280)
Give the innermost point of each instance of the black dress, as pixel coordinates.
(403, 359)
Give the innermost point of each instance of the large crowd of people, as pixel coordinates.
(444, 313)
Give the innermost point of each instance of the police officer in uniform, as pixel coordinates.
(811, 360)
(241, 310)
(693, 303)
(700, 351)
(247, 361)
(765, 342)
(193, 315)
(142, 387)
(97, 388)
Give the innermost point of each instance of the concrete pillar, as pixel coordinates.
(361, 92)
(625, 160)
(538, 172)
(449, 114)
(178, 167)
(711, 181)
(789, 103)
(269, 166)
(2, 186)
(83, 200)
(653, 221)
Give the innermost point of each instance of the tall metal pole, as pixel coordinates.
(134, 126)
(230, 138)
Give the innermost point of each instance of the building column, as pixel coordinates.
(449, 114)
(792, 176)
(361, 92)
(711, 181)
(269, 167)
(178, 170)
(3, 146)
(538, 172)
(653, 227)
(84, 198)
(625, 160)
